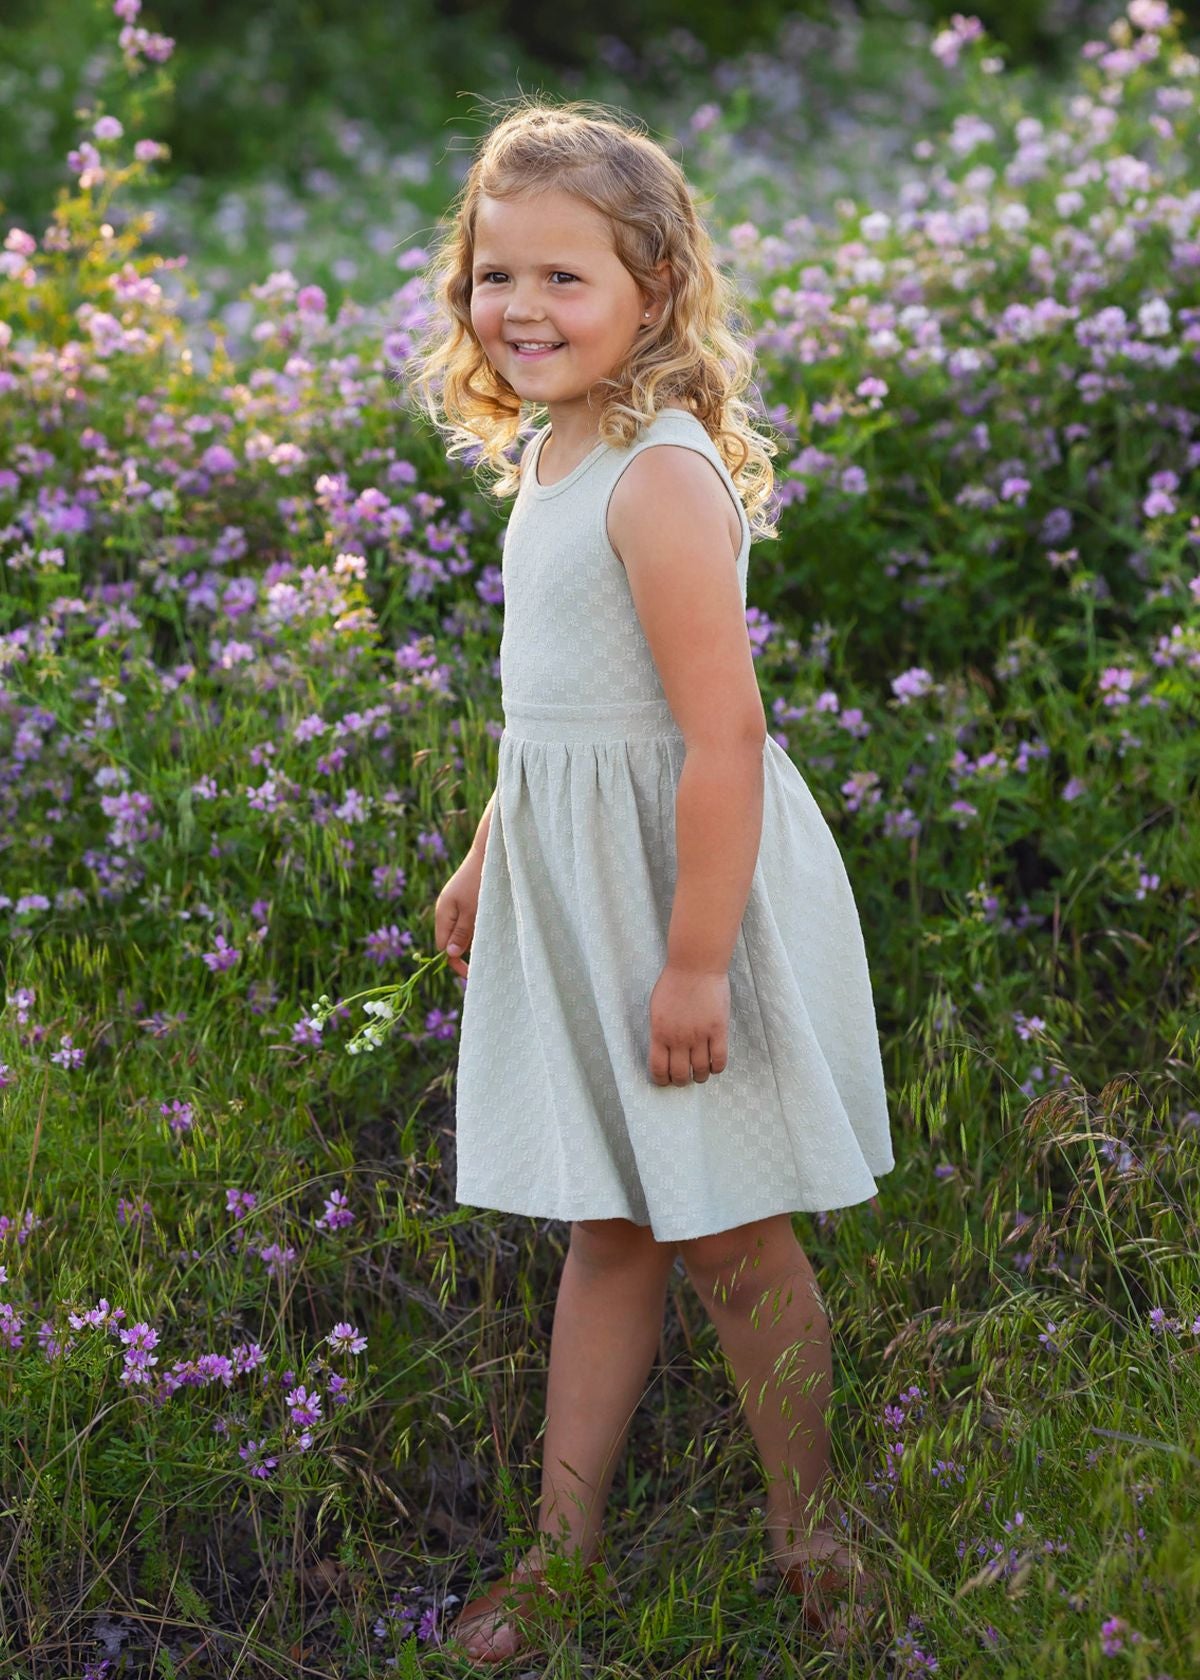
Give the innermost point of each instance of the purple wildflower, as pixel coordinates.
(22, 1001)
(303, 1407)
(215, 1367)
(910, 1658)
(99, 1317)
(29, 1222)
(223, 957)
(136, 1368)
(10, 1325)
(388, 880)
(387, 944)
(1116, 1635)
(337, 1214)
(276, 1257)
(69, 1056)
(947, 44)
(178, 1115)
(260, 1466)
(1047, 1337)
(441, 1023)
(139, 1337)
(430, 844)
(51, 1343)
(344, 1338)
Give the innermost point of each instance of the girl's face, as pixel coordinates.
(545, 271)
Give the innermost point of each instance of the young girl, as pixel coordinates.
(668, 1035)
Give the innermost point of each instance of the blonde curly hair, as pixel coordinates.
(691, 355)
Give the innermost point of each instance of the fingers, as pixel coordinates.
(458, 940)
(453, 930)
(455, 911)
(461, 935)
(660, 1062)
(718, 1054)
(669, 1064)
(674, 1064)
(694, 1064)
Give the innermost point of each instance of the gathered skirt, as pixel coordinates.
(556, 1113)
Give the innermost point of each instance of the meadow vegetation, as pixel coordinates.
(268, 1397)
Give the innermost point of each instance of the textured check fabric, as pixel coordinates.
(557, 1116)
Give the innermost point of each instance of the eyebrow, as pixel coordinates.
(488, 262)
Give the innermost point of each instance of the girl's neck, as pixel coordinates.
(573, 432)
(574, 429)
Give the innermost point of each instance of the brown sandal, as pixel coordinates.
(822, 1587)
(506, 1615)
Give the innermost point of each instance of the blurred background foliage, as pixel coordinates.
(566, 32)
(403, 66)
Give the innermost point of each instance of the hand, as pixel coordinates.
(689, 1026)
(455, 911)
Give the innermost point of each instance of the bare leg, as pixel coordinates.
(607, 1328)
(607, 1324)
(758, 1288)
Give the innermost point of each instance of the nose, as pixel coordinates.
(517, 310)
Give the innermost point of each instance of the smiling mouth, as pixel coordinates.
(534, 353)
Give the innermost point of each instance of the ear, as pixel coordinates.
(656, 299)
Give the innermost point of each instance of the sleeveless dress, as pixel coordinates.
(557, 1116)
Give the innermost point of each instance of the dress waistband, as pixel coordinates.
(622, 720)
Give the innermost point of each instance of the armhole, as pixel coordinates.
(697, 449)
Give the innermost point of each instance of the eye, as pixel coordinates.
(491, 274)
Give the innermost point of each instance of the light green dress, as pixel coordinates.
(557, 1116)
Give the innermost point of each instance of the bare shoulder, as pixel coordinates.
(673, 523)
(672, 488)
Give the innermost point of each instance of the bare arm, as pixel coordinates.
(481, 833)
(668, 521)
(718, 825)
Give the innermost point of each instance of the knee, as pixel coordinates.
(607, 1244)
(745, 1262)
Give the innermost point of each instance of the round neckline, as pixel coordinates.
(536, 488)
(539, 489)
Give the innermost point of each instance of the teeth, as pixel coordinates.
(534, 343)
